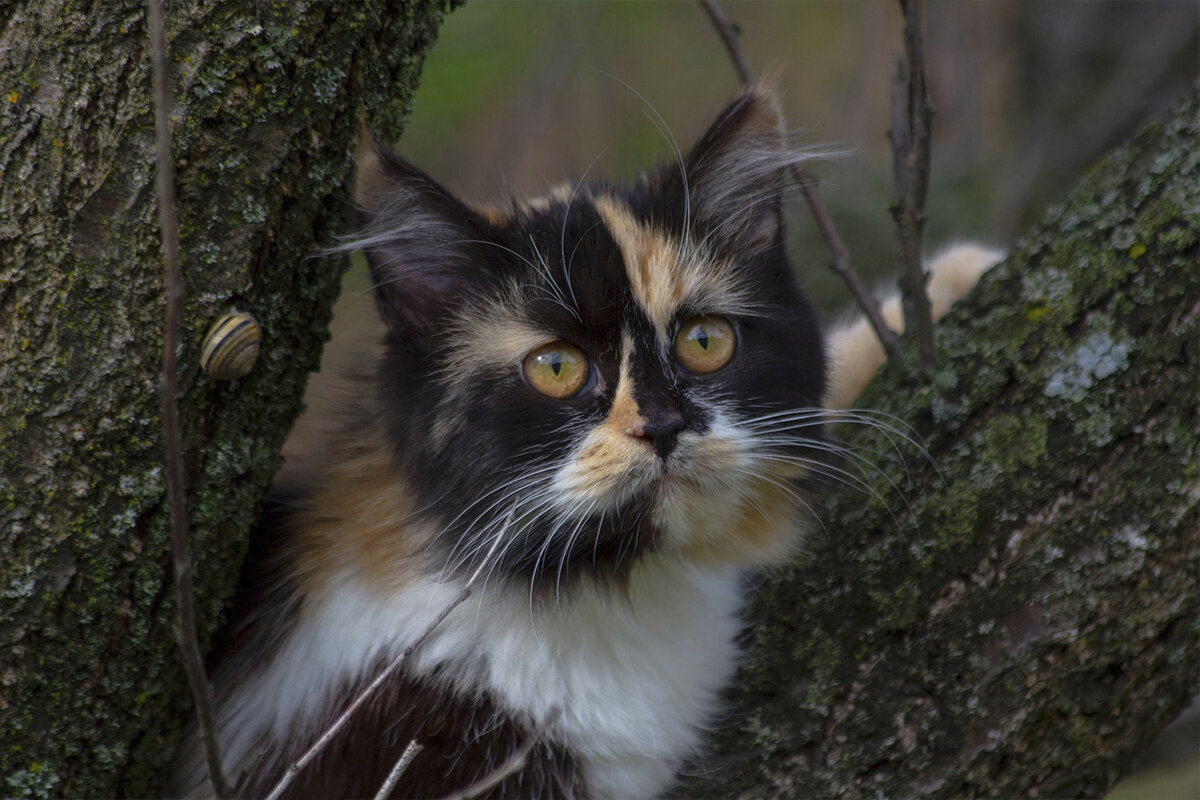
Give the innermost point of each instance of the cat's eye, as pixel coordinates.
(556, 369)
(705, 344)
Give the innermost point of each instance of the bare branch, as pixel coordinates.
(909, 136)
(843, 264)
(406, 758)
(511, 765)
(729, 35)
(339, 723)
(173, 448)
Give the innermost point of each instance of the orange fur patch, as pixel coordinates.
(762, 530)
(854, 351)
(371, 183)
(656, 278)
(624, 415)
(610, 451)
(360, 521)
(496, 215)
(660, 281)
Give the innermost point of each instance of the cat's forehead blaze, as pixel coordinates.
(656, 278)
(665, 275)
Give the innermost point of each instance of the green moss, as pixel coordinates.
(952, 522)
(823, 660)
(898, 609)
(1034, 314)
(86, 557)
(36, 781)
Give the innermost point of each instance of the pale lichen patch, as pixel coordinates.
(1096, 359)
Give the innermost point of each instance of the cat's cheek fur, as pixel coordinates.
(722, 504)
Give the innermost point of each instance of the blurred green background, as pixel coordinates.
(518, 96)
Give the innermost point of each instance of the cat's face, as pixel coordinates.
(572, 381)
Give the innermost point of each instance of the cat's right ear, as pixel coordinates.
(735, 171)
(421, 242)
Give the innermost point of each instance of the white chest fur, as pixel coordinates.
(635, 672)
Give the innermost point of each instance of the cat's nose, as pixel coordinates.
(661, 433)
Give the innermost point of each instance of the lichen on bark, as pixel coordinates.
(266, 105)
(1017, 615)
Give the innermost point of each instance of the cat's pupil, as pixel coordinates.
(700, 337)
(556, 364)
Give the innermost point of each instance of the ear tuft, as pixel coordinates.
(737, 171)
(370, 175)
(421, 242)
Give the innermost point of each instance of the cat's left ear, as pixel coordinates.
(736, 173)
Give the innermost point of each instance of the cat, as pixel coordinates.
(602, 409)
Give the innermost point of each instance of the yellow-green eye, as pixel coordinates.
(556, 369)
(705, 344)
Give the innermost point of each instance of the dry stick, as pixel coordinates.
(511, 765)
(176, 491)
(909, 136)
(362, 697)
(729, 35)
(339, 723)
(406, 758)
(843, 264)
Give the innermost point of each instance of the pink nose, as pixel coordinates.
(661, 433)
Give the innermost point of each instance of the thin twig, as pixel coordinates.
(513, 764)
(362, 697)
(729, 35)
(406, 758)
(843, 264)
(909, 136)
(312, 752)
(176, 490)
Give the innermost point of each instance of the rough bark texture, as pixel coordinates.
(267, 103)
(1023, 623)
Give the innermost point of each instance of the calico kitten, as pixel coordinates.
(606, 405)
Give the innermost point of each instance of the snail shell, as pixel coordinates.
(231, 346)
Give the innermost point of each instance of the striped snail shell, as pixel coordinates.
(231, 346)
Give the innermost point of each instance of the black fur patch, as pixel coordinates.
(463, 741)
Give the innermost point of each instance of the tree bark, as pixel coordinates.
(267, 101)
(1021, 619)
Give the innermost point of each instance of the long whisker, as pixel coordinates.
(789, 490)
(664, 130)
(562, 235)
(471, 536)
(888, 425)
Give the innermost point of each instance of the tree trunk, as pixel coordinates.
(1023, 618)
(267, 102)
